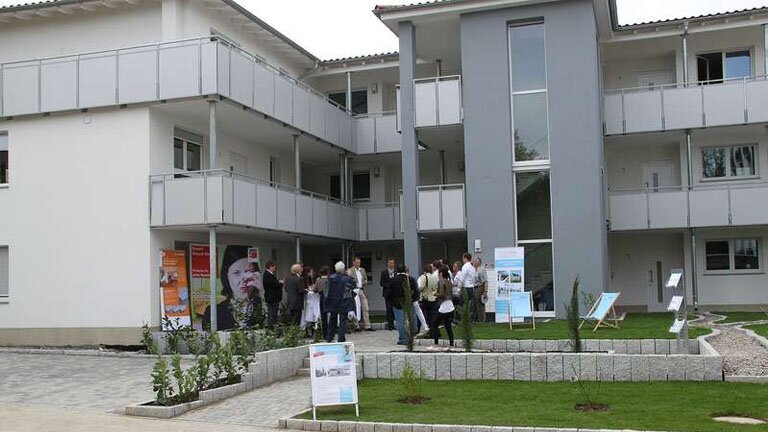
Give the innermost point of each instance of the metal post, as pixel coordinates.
(441, 154)
(297, 241)
(685, 54)
(349, 91)
(765, 48)
(694, 272)
(689, 165)
(297, 161)
(212, 133)
(342, 178)
(439, 67)
(348, 170)
(212, 281)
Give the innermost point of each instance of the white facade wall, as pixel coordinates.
(77, 222)
(624, 169)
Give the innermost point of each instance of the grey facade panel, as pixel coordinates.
(575, 138)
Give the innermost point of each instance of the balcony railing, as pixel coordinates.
(170, 70)
(379, 221)
(684, 207)
(437, 101)
(377, 133)
(441, 207)
(684, 106)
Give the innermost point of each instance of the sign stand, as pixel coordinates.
(678, 305)
(521, 306)
(333, 375)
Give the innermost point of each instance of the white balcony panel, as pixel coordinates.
(643, 111)
(183, 201)
(682, 108)
(398, 119)
(628, 211)
(209, 69)
(345, 131)
(20, 89)
(266, 207)
(332, 124)
(667, 209)
(241, 90)
(264, 91)
(425, 103)
(304, 214)
(58, 84)
(348, 222)
(749, 205)
(709, 207)
(387, 137)
(365, 134)
(283, 99)
(429, 210)
(398, 212)
(334, 219)
(244, 203)
(449, 101)
(97, 80)
(724, 103)
(317, 117)
(757, 101)
(180, 70)
(218, 191)
(381, 223)
(320, 217)
(613, 114)
(286, 211)
(452, 207)
(157, 201)
(301, 108)
(223, 53)
(138, 75)
(362, 224)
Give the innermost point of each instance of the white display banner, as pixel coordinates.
(334, 377)
(509, 263)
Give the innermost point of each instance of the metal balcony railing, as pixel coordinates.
(377, 133)
(437, 101)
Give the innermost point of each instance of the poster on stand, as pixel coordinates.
(174, 287)
(509, 263)
(333, 374)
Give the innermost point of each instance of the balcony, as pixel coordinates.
(223, 197)
(165, 71)
(377, 133)
(682, 207)
(695, 105)
(441, 208)
(437, 101)
(379, 222)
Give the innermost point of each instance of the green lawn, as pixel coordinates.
(761, 329)
(732, 317)
(634, 326)
(668, 406)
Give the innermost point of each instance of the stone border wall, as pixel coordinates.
(546, 366)
(355, 426)
(618, 346)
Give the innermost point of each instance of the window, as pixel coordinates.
(4, 271)
(728, 162)
(3, 158)
(732, 255)
(712, 68)
(335, 186)
(359, 100)
(187, 151)
(361, 186)
(533, 205)
(274, 170)
(527, 70)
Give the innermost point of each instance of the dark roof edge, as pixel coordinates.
(678, 21)
(40, 5)
(380, 56)
(380, 9)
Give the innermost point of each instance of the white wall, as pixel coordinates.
(624, 167)
(625, 73)
(104, 28)
(77, 221)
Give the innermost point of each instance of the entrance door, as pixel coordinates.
(658, 293)
(653, 79)
(657, 175)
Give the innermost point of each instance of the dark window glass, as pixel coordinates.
(361, 186)
(745, 254)
(359, 100)
(531, 127)
(710, 67)
(713, 162)
(538, 275)
(335, 186)
(526, 48)
(742, 161)
(194, 157)
(4, 171)
(718, 255)
(178, 154)
(534, 219)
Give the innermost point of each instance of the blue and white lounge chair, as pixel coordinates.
(604, 304)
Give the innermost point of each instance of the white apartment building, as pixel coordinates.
(612, 153)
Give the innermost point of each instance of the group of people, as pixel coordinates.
(326, 300)
(435, 295)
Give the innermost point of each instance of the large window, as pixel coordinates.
(187, 151)
(728, 162)
(359, 100)
(361, 186)
(4, 172)
(712, 68)
(534, 220)
(733, 255)
(527, 70)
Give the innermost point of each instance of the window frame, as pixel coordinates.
(723, 56)
(7, 181)
(364, 90)
(728, 176)
(184, 153)
(732, 270)
(4, 297)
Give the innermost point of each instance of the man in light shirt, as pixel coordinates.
(466, 281)
(361, 280)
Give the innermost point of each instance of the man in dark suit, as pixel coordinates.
(273, 293)
(339, 302)
(396, 296)
(386, 275)
(295, 291)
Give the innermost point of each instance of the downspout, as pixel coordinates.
(689, 164)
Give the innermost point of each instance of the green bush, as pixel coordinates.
(467, 334)
(146, 339)
(412, 386)
(185, 381)
(572, 313)
(161, 382)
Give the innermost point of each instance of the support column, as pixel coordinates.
(410, 148)
(212, 275)
(297, 242)
(349, 176)
(342, 178)
(212, 136)
(297, 161)
(685, 54)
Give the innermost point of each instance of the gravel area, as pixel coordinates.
(744, 355)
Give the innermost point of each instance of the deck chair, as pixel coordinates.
(599, 312)
(521, 306)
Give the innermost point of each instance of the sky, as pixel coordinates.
(343, 28)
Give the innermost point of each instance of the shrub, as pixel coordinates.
(467, 334)
(172, 334)
(201, 372)
(194, 341)
(293, 336)
(185, 381)
(408, 314)
(242, 345)
(146, 339)
(266, 340)
(161, 382)
(572, 312)
(412, 386)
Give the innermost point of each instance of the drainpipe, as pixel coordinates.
(694, 272)
(349, 92)
(685, 54)
(212, 255)
(439, 66)
(765, 48)
(441, 154)
(297, 161)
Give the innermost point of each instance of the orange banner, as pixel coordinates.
(174, 287)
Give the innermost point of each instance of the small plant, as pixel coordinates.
(572, 313)
(587, 400)
(266, 340)
(185, 381)
(227, 365)
(412, 386)
(172, 333)
(201, 372)
(257, 316)
(213, 359)
(467, 334)
(408, 313)
(146, 339)
(293, 336)
(588, 300)
(243, 347)
(161, 382)
(194, 341)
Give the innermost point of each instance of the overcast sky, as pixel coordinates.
(343, 28)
